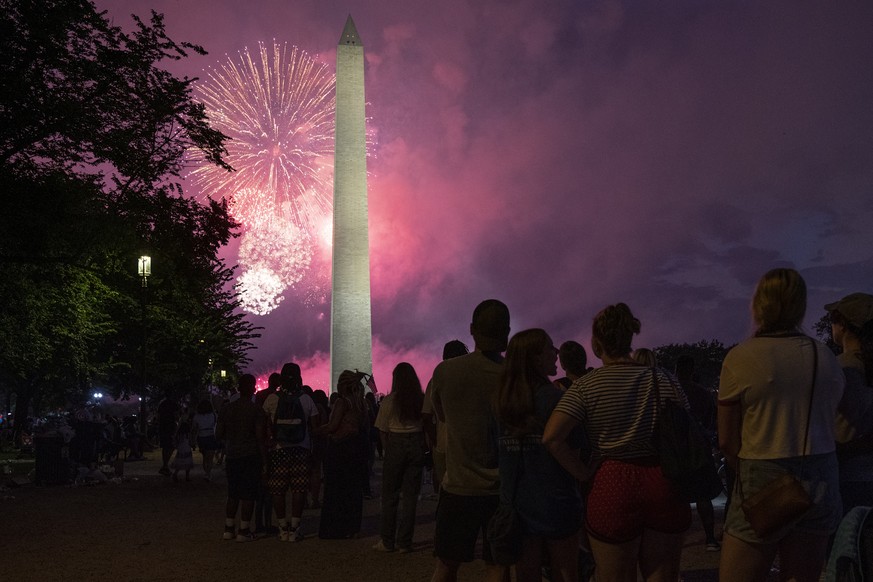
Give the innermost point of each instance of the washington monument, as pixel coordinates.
(350, 323)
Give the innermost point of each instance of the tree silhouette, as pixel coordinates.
(93, 141)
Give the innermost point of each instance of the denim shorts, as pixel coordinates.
(820, 478)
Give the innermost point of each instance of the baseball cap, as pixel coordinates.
(856, 308)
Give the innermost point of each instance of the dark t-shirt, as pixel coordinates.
(238, 426)
(167, 413)
(548, 499)
(702, 403)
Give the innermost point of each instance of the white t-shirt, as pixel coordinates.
(309, 410)
(205, 424)
(388, 421)
(770, 379)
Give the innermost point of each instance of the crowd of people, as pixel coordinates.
(575, 457)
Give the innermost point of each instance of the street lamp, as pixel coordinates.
(144, 269)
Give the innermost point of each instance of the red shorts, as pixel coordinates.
(628, 497)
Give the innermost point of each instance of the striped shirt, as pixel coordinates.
(615, 405)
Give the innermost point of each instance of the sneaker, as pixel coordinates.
(295, 534)
(284, 534)
(381, 547)
(404, 550)
(229, 533)
(712, 546)
(164, 471)
(245, 535)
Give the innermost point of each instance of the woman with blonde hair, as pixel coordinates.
(634, 516)
(777, 400)
(543, 493)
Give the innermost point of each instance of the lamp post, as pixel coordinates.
(144, 269)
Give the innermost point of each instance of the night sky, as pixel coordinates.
(564, 155)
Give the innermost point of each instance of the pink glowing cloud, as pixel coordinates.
(563, 156)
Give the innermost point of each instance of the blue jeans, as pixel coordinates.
(401, 483)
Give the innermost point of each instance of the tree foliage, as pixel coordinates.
(825, 333)
(94, 136)
(708, 356)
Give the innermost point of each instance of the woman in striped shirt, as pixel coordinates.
(634, 516)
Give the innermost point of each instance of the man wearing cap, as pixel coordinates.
(852, 328)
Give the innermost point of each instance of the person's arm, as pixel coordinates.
(428, 422)
(436, 401)
(429, 427)
(730, 419)
(314, 416)
(558, 428)
(261, 437)
(336, 416)
(221, 425)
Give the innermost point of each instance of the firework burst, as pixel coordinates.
(277, 107)
(260, 290)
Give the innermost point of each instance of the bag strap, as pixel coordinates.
(657, 415)
(811, 392)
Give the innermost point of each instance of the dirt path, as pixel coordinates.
(149, 528)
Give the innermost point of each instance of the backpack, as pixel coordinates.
(684, 451)
(289, 423)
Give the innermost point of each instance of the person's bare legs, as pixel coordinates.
(707, 518)
(298, 500)
(208, 457)
(529, 567)
(801, 557)
(445, 571)
(660, 556)
(280, 505)
(616, 562)
(247, 507)
(744, 562)
(315, 485)
(496, 573)
(230, 508)
(564, 557)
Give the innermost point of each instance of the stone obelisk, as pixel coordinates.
(350, 321)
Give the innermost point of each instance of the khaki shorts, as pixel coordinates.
(820, 478)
